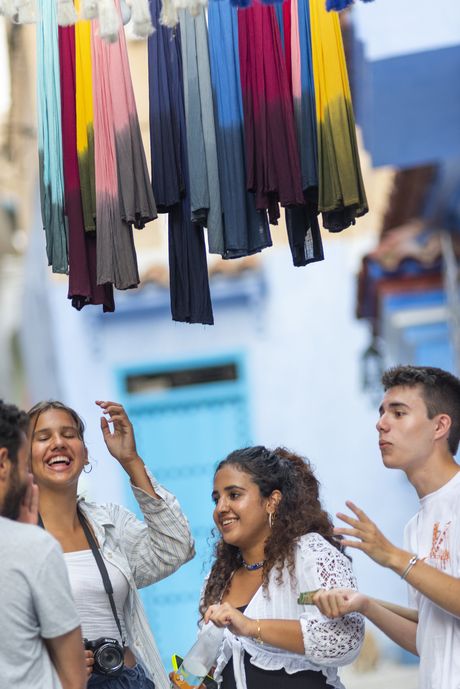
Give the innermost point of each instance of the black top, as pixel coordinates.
(256, 678)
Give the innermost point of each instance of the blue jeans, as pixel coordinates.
(130, 678)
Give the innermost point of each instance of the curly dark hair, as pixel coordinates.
(299, 512)
(13, 426)
(440, 391)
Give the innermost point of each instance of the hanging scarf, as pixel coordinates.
(303, 232)
(304, 105)
(286, 23)
(201, 133)
(168, 179)
(116, 256)
(188, 274)
(272, 158)
(338, 5)
(50, 137)
(341, 191)
(82, 245)
(137, 203)
(85, 119)
(246, 230)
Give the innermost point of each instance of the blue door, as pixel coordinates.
(187, 416)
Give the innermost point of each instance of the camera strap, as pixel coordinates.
(102, 569)
(101, 566)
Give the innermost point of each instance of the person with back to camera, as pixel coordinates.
(276, 543)
(419, 433)
(108, 542)
(40, 635)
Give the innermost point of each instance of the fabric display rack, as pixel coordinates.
(250, 111)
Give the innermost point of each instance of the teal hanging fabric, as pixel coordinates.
(50, 137)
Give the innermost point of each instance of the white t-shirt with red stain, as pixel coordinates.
(434, 535)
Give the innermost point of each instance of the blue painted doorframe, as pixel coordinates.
(181, 434)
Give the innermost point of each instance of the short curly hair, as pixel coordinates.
(13, 426)
(299, 512)
(440, 391)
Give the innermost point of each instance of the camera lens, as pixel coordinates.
(110, 658)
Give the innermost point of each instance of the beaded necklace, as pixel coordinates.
(251, 568)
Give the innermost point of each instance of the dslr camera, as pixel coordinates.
(108, 656)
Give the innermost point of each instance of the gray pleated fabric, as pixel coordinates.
(201, 133)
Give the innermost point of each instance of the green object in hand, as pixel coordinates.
(306, 598)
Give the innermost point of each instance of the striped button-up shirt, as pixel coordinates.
(144, 552)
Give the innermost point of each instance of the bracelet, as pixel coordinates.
(412, 562)
(258, 639)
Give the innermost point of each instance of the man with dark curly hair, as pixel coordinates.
(40, 637)
(419, 433)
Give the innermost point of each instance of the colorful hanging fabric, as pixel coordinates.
(338, 5)
(85, 120)
(201, 134)
(342, 197)
(82, 245)
(302, 221)
(272, 158)
(189, 285)
(116, 256)
(303, 232)
(246, 230)
(304, 100)
(137, 202)
(286, 24)
(168, 179)
(50, 137)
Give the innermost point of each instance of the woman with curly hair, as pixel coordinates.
(276, 544)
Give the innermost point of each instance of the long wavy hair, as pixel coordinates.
(299, 512)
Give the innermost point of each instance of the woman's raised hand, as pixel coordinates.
(120, 440)
(225, 615)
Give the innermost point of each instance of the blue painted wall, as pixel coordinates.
(182, 433)
(406, 61)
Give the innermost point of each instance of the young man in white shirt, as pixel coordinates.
(40, 638)
(419, 432)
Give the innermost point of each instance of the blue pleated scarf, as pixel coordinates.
(245, 229)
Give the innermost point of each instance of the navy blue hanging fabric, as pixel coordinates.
(188, 273)
(165, 86)
(338, 5)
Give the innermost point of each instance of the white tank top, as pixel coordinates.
(91, 600)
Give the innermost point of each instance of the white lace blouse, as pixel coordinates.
(328, 643)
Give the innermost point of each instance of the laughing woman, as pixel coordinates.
(134, 553)
(276, 543)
